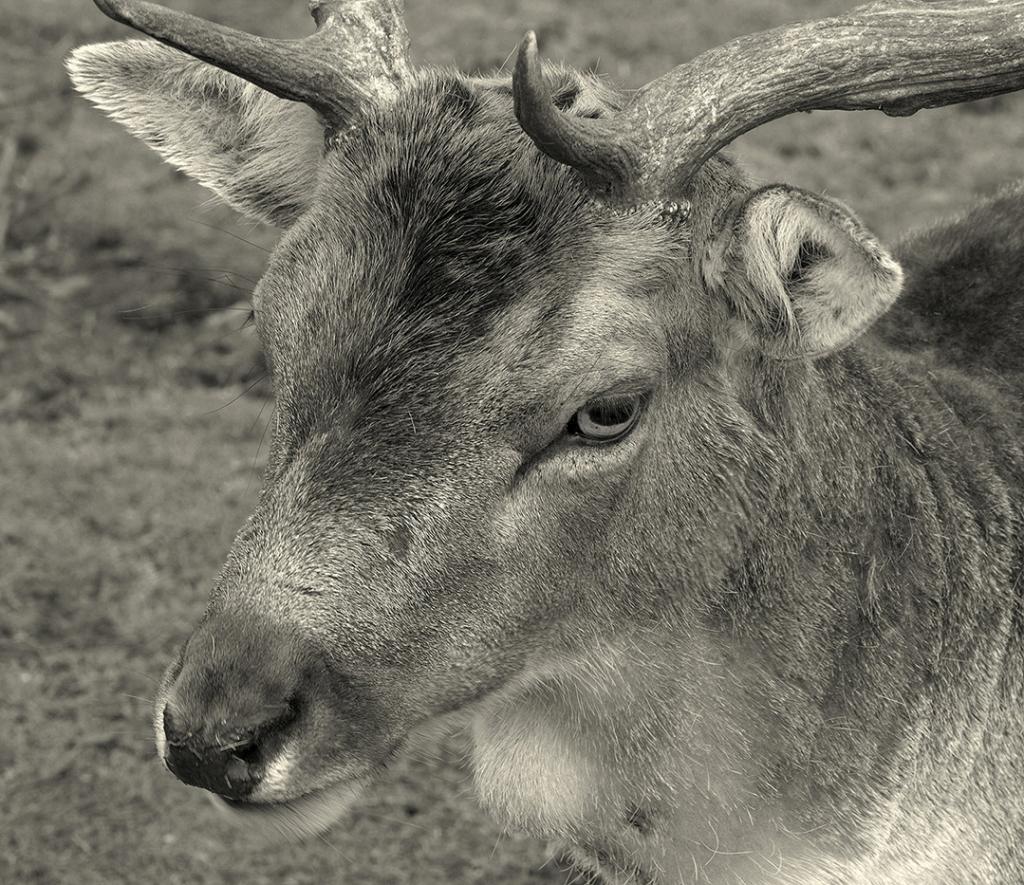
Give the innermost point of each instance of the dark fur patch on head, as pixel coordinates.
(481, 216)
(441, 213)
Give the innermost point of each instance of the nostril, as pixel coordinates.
(240, 774)
(227, 761)
(249, 754)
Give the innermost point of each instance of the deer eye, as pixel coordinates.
(606, 420)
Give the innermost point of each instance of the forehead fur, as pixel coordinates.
(430, 220)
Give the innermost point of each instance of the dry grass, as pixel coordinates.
(129, 453)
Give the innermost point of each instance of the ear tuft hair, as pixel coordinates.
(802, 271)
(258, 152)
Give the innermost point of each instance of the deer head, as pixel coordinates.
(540, 416)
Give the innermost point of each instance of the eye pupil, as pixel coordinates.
(609, 414)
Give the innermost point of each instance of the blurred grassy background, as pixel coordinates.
(132, 410)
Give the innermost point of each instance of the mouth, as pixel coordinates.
(292, 819)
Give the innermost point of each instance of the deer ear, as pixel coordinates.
(258, 152)
(802, 272)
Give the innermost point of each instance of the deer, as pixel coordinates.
(698, 506)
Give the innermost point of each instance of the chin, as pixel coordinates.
(293, 819)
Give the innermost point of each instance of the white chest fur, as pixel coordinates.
(643, 783)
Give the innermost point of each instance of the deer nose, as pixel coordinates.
(229, 760)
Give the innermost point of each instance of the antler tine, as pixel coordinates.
(897, 56)
(358, 53)
(592, 147)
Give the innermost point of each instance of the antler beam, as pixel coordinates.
(897, 57)
(358, 54)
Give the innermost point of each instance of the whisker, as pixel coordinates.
(219, 281)
(203, 268)
(139, 315)
(263, 436)
(235, 399)
(230, 234)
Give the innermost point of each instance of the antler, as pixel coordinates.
(358, 54)
(897, 57)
